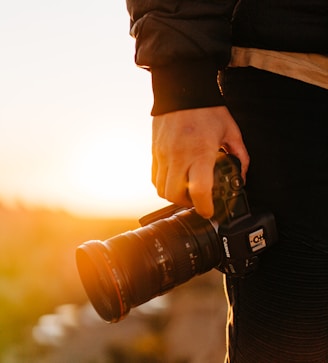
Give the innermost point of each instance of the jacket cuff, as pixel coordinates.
(185, 85)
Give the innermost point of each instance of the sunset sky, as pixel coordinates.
(75, 125)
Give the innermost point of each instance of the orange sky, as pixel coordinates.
(74, 110)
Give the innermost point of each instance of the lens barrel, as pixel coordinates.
(175, 244)
(134, 267)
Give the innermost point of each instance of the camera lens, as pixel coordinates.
(132, 268)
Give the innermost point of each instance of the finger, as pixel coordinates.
(160, 182)
(154, 170)
(200, 187)
(158, 174)
(241, 153)
(237, 147)
(176, 189)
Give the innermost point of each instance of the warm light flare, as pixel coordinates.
(112, 172)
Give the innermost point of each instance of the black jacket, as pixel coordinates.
(185, 42)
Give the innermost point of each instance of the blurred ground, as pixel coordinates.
(185, 326)
(45, 316)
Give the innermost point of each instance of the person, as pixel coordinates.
(270, 109)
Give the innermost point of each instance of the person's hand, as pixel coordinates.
(184, 150)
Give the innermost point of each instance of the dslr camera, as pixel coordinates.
(173, 245)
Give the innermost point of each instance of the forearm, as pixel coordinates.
(183, 44)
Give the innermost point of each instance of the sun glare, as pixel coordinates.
(74, 127)
(112, 173)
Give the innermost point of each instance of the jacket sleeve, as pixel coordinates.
(183, 43)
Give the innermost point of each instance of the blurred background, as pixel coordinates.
(75, 132)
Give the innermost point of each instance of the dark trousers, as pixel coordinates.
(279, 314)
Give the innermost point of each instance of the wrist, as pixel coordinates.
(185, 86)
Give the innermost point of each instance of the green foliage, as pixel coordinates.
(38, 274)
(37, 264)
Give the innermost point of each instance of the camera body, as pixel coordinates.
(173, 245)
(242, 235)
